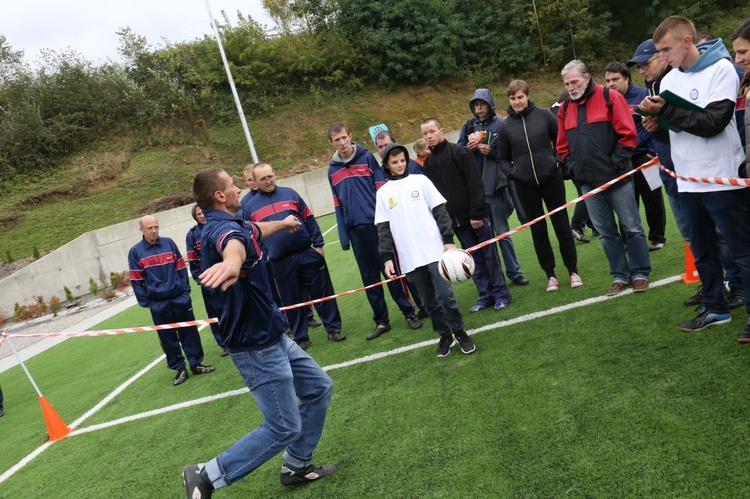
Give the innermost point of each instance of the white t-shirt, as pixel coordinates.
(407, 205)
(717, 156)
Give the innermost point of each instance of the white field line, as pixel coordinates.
(360, 360)
(329, 230)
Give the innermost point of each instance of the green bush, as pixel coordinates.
(93, 286)
(68, 295)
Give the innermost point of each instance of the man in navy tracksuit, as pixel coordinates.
(193, 257)
(289, 387)
(297, 258)
(355, 177)
(160, 282)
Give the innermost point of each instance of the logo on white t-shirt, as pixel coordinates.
(694, 94)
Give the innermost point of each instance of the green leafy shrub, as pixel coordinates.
(93, 286)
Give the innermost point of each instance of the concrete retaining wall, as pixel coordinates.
(97, 253)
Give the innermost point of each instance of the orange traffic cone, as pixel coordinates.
(691, 273)
(56, 428)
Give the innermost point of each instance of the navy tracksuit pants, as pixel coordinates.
(178, 309)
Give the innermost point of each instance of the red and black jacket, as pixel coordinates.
(595, 139)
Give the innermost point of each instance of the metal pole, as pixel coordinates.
(10, 344)
(231, 84)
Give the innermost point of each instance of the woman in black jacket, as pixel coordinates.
(526, 154)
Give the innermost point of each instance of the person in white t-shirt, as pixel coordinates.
(411, 213)
(704, 143)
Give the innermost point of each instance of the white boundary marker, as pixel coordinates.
(361, 360)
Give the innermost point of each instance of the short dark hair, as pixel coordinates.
(743, 31)
(193, 210)
(517, 85)
(336, 128)
(618, 67)
(205, 184)
(383, 134)
(704, 35)
(678, 25)
(439, 125)
(262, 163)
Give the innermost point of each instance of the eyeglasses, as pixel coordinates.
(639, 67)
(267, 178)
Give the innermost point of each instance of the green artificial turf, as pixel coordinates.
(607, 399)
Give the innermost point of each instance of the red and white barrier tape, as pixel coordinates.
(653, 162)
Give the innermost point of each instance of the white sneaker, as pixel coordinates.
(575, 280)
(552, 284)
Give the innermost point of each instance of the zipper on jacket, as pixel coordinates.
(528, 146)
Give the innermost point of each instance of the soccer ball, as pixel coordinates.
(456, 266)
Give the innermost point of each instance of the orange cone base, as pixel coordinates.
(56, 428)
(691, 273)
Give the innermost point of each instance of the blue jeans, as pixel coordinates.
(602, 207)
(727, 211)
(277, 376)
(507, 248)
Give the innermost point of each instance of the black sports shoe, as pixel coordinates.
(704, 319)
(520, 280)
(224, 351)
(311, 322)
(696, 299)
(579, 235)
(180, 378)
(292, 476)
(422, 314)
(196, 482)
(736, 298)
(201, 369)
(467, 346)
(413, 322)
(336, 336)
(444, 347)
(379, 329)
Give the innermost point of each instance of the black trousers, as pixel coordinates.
(552, 194)
(653, 203)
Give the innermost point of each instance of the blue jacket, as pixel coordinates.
(277, 205)
(493, 178)
(193, 245)
(248, 316)
(635, 96)
(158, 274)
(353, 185)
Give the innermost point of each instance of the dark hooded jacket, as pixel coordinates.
(596, 140)
(492, 176)
(451, 168)
(525, 146)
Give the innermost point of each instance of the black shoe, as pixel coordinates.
(444, 347)
(579, 235)
(304, 344)
(2, 413)
(224, 351)
(736, 298)
(467, 346)
(422, 314)
(413, 322)
(201, 369)
(196, 482)
(696, 299)
(744, 337)
(704, 319)
(520, 280)
(181, 377)
(336, 336)
(291, 476)
(379, 329)
(313, 323)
